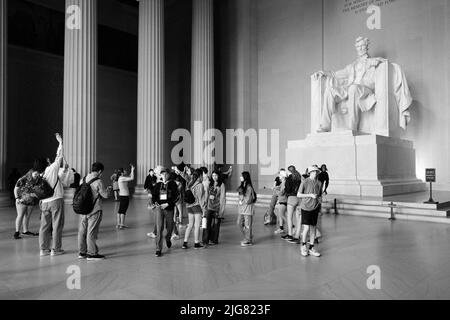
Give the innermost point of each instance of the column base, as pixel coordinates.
(5, 200)
(140, 193)
(68, 196)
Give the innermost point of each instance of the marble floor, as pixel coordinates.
(414, 260)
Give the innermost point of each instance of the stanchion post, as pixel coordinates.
(392, 206)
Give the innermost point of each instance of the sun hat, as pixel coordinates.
(313, 168)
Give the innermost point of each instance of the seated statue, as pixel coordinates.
(354, 90)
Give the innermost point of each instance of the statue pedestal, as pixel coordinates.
(359, 165)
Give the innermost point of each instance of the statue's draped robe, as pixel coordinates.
(361, 75)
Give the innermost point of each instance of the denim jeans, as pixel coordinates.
(163, 217)
(245, 223)
(211, 233)
(52, 224)
(273, 203)
(88, 231)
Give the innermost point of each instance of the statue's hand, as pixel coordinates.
(318, 75)
(376, 62)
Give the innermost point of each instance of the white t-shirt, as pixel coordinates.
(123, 185)
(55, 175)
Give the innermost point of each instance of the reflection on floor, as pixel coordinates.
(413, 258)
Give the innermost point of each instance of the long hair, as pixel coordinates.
(295, 174)
(219, 180)
(196, 175)
(247, 182)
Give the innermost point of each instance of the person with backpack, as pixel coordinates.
(246, 208)
(26, 198)
(52, 217)
(88, 203)
(195, 198)
(164, 195)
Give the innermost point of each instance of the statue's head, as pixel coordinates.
(362, 46)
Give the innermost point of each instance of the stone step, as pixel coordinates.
(385, 209)
(373, 208)
(397, 216)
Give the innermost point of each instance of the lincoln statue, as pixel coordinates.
(354, 89)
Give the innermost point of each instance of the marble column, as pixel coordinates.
(150, 134)
(80, 85)
(202, 93)
(4, 197)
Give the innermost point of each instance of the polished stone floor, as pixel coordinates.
(414, 260)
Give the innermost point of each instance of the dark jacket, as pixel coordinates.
(325, 179)
(171, 189)
(292, 186)
(149, 182)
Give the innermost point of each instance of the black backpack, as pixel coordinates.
(43, 190)
(189, 197)
(83, 200)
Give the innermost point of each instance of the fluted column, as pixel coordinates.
(4, 198)
(80, 85)
(150, 134)
(202, 95)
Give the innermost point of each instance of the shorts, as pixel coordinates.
(195, 210)
(310, 218)
(293, 201)
(124, 202)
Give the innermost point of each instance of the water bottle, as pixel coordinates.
(204, 223)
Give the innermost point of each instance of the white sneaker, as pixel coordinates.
(304, 252)
(246, 244)
(313, 252)
(57, 252)
(151, 235)
(279, 231)
(175, 237)
(44, 253)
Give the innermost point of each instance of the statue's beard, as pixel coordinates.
(362, 51)
(364, 54)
